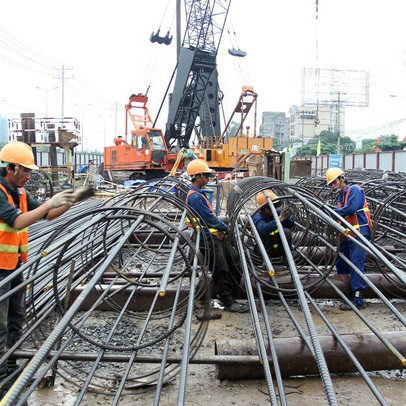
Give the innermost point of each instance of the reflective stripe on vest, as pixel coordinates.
(13, 243)
(196, 222)
(275, 237)
(353, 218)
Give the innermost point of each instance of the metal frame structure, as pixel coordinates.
(195, 68)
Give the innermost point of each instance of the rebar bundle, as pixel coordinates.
(113, 286)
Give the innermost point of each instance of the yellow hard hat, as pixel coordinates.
(332, 174)
(198, 166)
(18, 153)
(261, 199)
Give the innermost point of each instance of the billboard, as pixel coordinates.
(335, 86)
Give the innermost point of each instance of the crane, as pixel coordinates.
(195, 92)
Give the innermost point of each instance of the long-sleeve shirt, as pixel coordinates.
(8, 213)
(199, 203)
(266, 226)
(355, 203)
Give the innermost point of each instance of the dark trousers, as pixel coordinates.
(12, 314)
(224, 265)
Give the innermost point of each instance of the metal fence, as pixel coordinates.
(79, 159)
(394, 161)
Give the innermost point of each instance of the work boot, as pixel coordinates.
(345, 306)
(12, 366)
(231, 305)
(4, 388)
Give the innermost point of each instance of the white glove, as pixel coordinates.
(61, 199)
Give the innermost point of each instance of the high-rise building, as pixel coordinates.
(303, 122)
(275, 125)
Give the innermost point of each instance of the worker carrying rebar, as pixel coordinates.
(223, 257)
(119, 140)
(266, 225)
(353, 206)
(18, 210)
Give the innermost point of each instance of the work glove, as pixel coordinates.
(83, 193)
(286, 213)
(61, 199)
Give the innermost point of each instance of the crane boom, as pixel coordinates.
(196, 65)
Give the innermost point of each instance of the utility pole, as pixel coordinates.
(115, 130)
(46, 90)
(63, 77)
(338, 123)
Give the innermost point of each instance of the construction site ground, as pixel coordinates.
(203, 388)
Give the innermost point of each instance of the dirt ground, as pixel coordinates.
(203, 388)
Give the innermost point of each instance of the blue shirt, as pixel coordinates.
(355, 204)
(199, 203)
(8, 213)
(266, 226)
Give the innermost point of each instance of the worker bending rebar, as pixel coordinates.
(223, 261)
(266, 225)
(18, 210)
(353, 206)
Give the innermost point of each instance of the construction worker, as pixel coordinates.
(18, 210)
(222, 262)
(266, 225)
(119, 140)
(91, 172)
(352, 205)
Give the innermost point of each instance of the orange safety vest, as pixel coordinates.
(13, 243)
(353, 218)
(196, 222)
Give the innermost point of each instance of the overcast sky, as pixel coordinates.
(107, 46)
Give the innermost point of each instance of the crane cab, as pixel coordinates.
(144, 149)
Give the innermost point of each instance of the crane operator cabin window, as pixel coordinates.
(157, 141)
(141, 141)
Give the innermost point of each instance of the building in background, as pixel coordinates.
(277, 126)
(4, 131)
(302, 122)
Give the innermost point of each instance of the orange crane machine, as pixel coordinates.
(144, 152)
(231, 150)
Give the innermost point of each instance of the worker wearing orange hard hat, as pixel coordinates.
(119, 140)
(222, 255)
(18, 210)
(353, 206)
(266, 225)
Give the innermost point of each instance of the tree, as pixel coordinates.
(328, 142)
(231, 130)
(386, 143)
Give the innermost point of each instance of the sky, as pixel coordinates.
(106, 47)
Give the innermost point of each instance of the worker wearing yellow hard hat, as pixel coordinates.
(18, 210)
(353, 206)
(222, 256)
(266, 225)
(332, 174)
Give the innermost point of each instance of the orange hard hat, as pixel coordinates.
(332, 174)
(261, 199)
(198, 166)
(18, 153)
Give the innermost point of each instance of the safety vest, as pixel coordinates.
(13, 243)
(353, 218)
(275, 238)
(195, 223)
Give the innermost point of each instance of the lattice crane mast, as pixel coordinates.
(196, 70)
